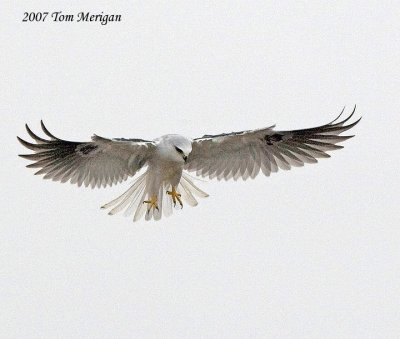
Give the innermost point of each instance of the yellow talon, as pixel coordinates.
(152, 203)
(175, 196)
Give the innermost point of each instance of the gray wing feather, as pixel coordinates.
(97, 163)
(244, 154)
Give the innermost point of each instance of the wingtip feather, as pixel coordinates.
(338, 116)
(34, 136)
(26, 144)
(46, 131)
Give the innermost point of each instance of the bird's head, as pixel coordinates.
(182, 146)
(178, 146)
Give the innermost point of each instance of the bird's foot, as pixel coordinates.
(175, 196)
(152, 203)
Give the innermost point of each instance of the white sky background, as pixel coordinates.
(309, 253)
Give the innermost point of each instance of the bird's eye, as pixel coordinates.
(178, 150)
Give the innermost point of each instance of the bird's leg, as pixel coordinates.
(175, 196)
(152, 203)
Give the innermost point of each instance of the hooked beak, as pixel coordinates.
(185, 158)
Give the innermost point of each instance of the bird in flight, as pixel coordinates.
(165, 183)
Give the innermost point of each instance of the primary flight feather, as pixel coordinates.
(164, 184)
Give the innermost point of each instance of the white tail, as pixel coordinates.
(143, 188)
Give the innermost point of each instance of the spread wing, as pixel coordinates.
(244, 154)
(99, 162)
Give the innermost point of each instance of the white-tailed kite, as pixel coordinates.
(103, 162)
